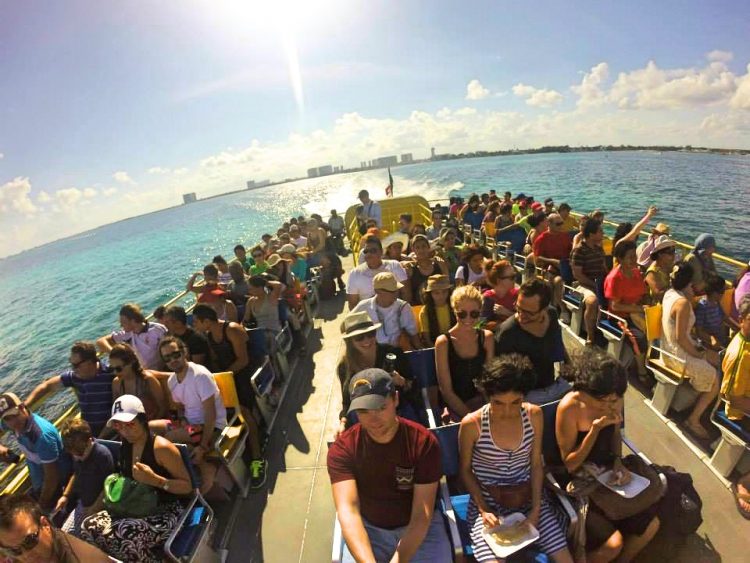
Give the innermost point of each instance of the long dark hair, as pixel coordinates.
(429, 305)
(127, 356)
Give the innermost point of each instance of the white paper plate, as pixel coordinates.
(635, 487)
(503, 551)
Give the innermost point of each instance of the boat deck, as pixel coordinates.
(293, 519)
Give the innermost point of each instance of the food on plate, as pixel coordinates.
(509, 535)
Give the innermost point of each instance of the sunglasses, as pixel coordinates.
(463, 314)
(28, 543)
(365, 336)
(173, 356)
(75, 365)
(371, 251)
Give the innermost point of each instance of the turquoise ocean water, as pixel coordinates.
(72, 289)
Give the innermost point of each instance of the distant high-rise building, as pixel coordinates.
(432, 150)
(312, 172)
(384, 161)
(325, 170)
(406, 158)
(189, 198)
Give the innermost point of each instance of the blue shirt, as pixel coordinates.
(94, 395)
(41, 443)
(709, 316)
(91, 473)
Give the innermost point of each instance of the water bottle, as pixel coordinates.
(390, 362)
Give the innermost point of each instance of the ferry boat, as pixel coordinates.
(293, 517)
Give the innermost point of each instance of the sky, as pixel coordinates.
(112, 109)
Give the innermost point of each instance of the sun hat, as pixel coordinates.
(661, 228)
(125, 409)
(288, 249)
(661, 243)
(397, 237)
(273, 260)
(9, 403)
(369, 388)
(438, 282)
(358, 322)
(386, 281)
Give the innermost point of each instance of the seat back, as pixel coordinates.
(225, 382)
(263, 378)
(422, 364)
(653, 322)
(727, 302)
(566, 271)
(195, 480)
(256, 343)
(489, 229)
(516, 238)
(550, 449)
(114, 448)
(448, 438)
(416, 310)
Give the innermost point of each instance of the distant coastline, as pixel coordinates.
(437, 158)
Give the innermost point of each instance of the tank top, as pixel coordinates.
(464, 371)
(148, 458)
(669, 342)
(143, 393)
(418, 279)
(497, 466)
(222, 352)
(601, 453)
(267, 315)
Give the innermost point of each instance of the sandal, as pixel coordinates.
(741, 496)
(698, 431)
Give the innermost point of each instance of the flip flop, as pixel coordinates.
(699, 432)
(737, 496)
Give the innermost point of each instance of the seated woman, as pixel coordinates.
(426, 264)
(499, 302)
(461, 352)
(630, 232)
(501, 460)
(131, 379)
(657, 274)
(741, 289)
(363, 351)
(588, 430)
(437, 316)
(471, 271)
(393, 247)
(625, 290)
(153, 461)
(701, 261)
(677, 321)
(505, 220)
(263, 303)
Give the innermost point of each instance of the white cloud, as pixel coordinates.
(122, 177)
(537, 97)
(720, 56)
(475, 90)
(89, 193)
(68, 197)
(741, 97)
(590, 89)
(465, 111)
(158, 170)
(107, 192)
(14, 197)
(43, 197)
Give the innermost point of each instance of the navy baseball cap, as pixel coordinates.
(369, 388)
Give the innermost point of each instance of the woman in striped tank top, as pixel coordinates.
(501, 460)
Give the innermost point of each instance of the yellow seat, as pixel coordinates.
(417, 309)
(231, 443)
(607, 246)
(727, 301)
(489, 229)
(653, 322)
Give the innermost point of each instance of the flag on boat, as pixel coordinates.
(389, 187)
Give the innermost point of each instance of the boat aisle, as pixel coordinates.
(293, 520)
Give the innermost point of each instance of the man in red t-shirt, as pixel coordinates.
(384, 474)
(550, 248)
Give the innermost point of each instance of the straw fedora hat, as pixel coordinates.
(661, 243)
(358, 323)
(393, 238)
(438, 282)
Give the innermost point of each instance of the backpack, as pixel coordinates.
(680, 507)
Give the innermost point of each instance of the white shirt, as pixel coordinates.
(145, 344)
(300, 241)
(198, 385)
(399, 316)
(336, 224)
(372, 210)
(360, 278)
(472, 276)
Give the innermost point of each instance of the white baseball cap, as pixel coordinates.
(125, 409)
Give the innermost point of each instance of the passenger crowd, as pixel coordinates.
(498, 355)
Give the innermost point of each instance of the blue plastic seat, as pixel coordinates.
(422, 364)
(609, 325)
(732, 425)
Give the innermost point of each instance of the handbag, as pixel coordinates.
(616, 507)
(127, 498)
(510, 496)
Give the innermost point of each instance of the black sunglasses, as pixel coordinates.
(371, 251)
(28, 543)
(173, 356)
(463, 314)
(75, 365)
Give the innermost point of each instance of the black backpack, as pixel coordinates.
(680, 507)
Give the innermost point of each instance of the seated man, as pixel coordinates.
(710, 320)
(202, 415)
(550, 248)
(589, 269)
(142, 335)
(535, 333)
(26, 534)
(49, 465)
(384, 474)
(735, 389)
(92, 464)
(175, 320)
(394, 315)
(360, 278)
(92, 381)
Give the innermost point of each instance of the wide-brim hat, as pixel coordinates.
(9, 404)
(661, 243)
(438, 282)
(661, 228)
(358, 322)
(287, 249)
(393, 238)
(386, 281)
(273, 260)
